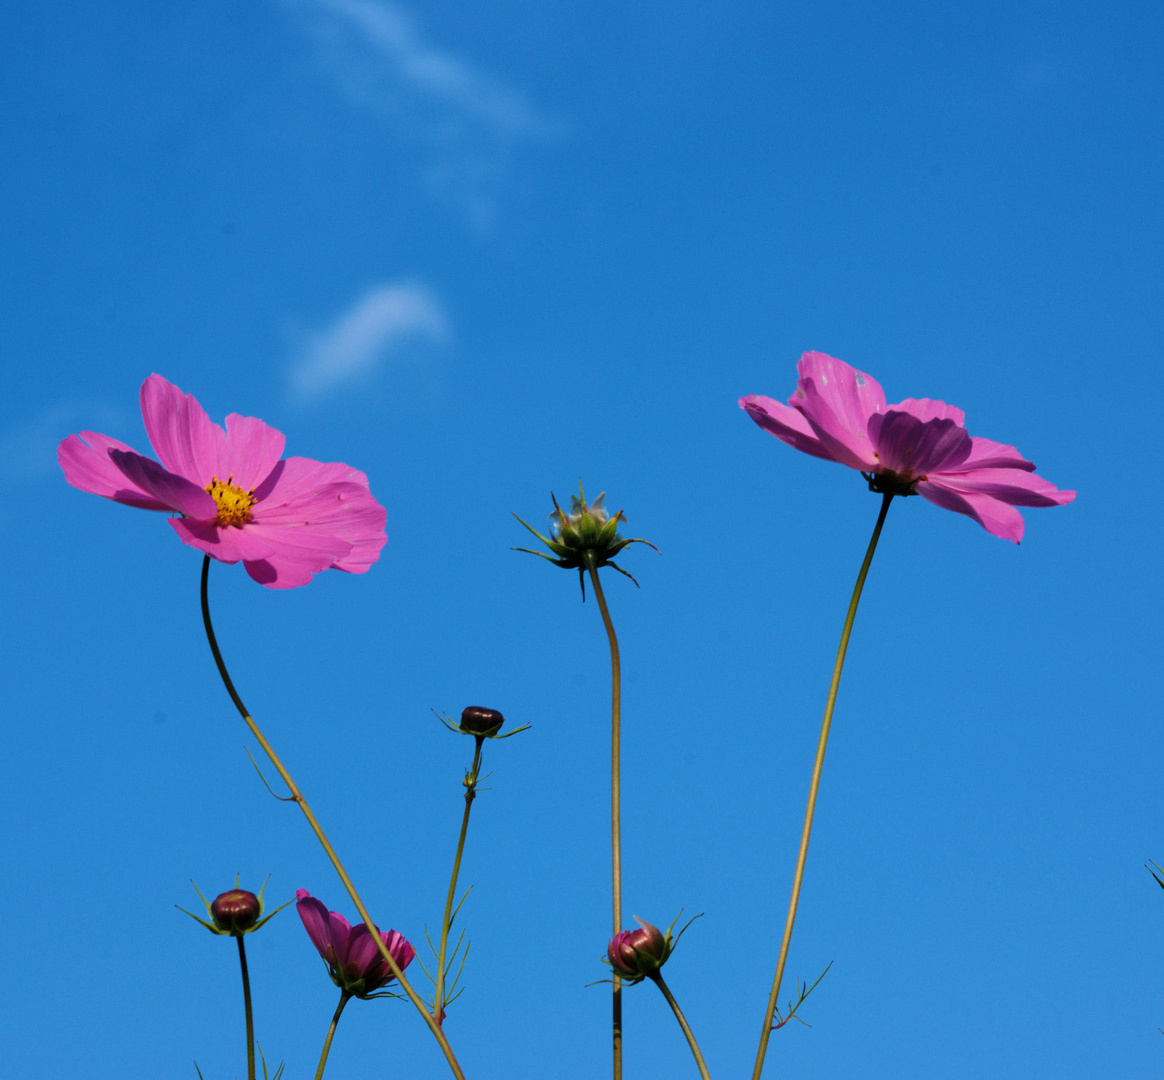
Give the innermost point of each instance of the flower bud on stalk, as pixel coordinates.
(479, 722)
(484, 723)
(638, 954)
(635, 954)
(586, 536)
(234, 912)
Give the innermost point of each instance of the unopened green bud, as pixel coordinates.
(584, 539)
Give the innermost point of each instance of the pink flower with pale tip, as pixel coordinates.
(352, 956)
(916, 447)
(239, 499)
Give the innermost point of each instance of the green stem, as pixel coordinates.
(818, 764)
(297, 797)
(344, 996)
(615, 799)
(447, 921)
(246, 979)
(657, 979)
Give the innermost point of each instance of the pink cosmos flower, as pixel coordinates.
(352, 956)
(917, 447)
(286, 519)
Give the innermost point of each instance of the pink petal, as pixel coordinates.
(176, 492)
(991, 455)
(928, 409)
(994, 516)
(297, 476)
(838, 401)
(190, 444)
(787, 424)
(293, 555)
(182, 435)
(363, 955)
(341, 933)
(90, 468)
(280, 572)
(850, 393)
(227, 544)
(399, 947)
(1013, 486)
(341, 521)
(364, 530)
(250, 452)
(914, 447)
(315, 920)
(331, 497)
(306, 542)
(325, 505)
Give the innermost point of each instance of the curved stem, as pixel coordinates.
(297, 797)
(657, 979)
(447, 921)
(344, 995)
(246, 980)
(615, 799)
(818, 764)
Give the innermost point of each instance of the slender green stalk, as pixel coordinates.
(615, 799)
(246, 979)
(297, 797)
(818, 764)
(344, 996)
(447, 921)
(657, 978)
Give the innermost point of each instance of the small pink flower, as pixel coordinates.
(286, 519)
(353, 959)
(917, 447)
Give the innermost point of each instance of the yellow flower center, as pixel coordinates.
(234, 504)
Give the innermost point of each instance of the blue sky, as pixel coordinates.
(480, 252)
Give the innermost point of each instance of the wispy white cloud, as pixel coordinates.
(469, 121)
(28, 450)
(392, 35)
(387, 322)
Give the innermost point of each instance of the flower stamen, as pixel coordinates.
(234, 504)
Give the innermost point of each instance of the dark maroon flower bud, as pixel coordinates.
(479, 722)
(236, 911)
(476, 720)
(635, 954)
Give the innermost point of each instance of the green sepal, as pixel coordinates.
(584, 539)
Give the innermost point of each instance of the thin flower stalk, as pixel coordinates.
(297, 797)
(657, 978)
(246, 981)
(585, 539)
(818, 764)
(615, 800)
(447, 921)
(236, 913)
(344, 997)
